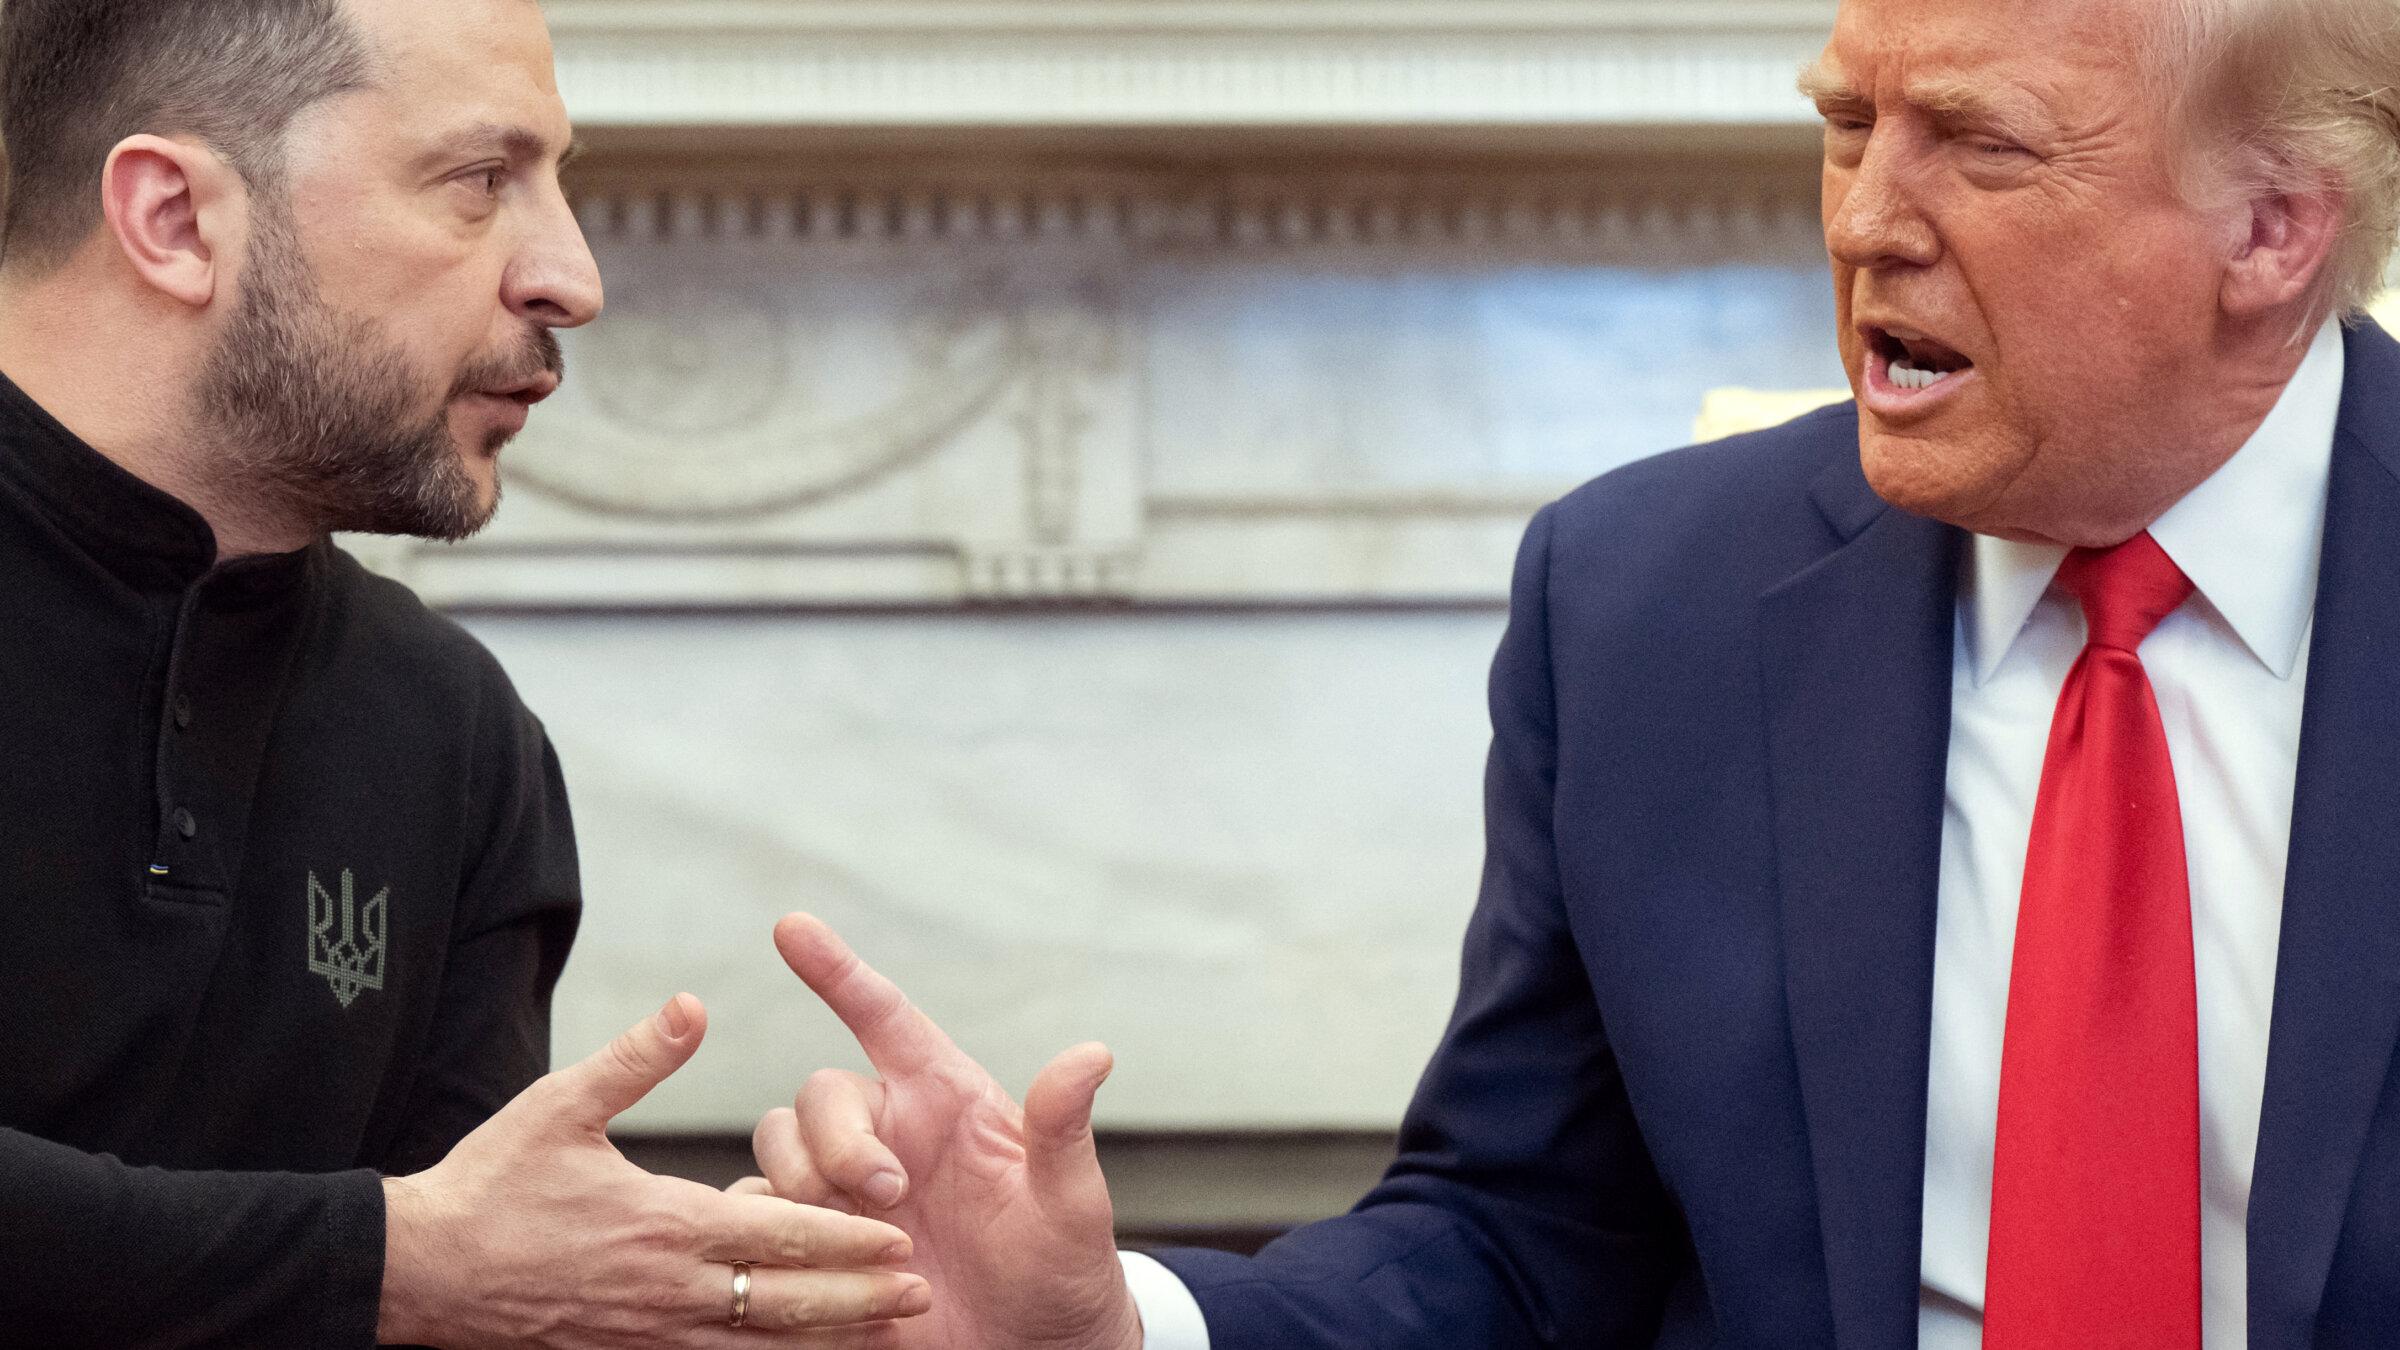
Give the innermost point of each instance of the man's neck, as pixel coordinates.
(121, 381)
(2223, 407)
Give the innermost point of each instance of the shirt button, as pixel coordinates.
(184, 824)
(183, 711)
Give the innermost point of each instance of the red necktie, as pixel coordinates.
(2095, 1239)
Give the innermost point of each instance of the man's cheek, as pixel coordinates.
(1854, 354)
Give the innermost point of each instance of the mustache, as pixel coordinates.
(537, 354)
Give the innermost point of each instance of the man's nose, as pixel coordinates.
(1874, 221)
(554, 280)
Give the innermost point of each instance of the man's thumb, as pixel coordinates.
(623, 1071)
(1058, 1118)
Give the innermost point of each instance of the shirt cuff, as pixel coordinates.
(1171, 1317)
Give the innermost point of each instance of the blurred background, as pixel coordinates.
(1042, 497)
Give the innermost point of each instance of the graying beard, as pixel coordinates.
(313, 408)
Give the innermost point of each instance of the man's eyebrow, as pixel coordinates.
(1821, 83)
(518, 143)
(2010, 111)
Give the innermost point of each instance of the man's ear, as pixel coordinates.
(172, 208)
(2289, 238)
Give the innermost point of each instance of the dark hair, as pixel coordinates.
(78, 76)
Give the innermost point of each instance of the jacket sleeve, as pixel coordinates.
(520, 902)
(94, 1253)
(1523, 1209)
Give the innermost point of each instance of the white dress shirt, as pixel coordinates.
(2229, 670)
(1171, 1317)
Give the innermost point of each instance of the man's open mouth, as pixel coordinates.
(1914, 360)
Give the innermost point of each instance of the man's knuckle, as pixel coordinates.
(659, 1298)
(801, 1241)
(774, 1139)
(666, 1230)
(813, 1304)
(625, 1059)
(856, 1155)
(828, 1088)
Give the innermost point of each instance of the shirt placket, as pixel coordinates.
(181, 864)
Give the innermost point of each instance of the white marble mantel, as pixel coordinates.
(1165, 63)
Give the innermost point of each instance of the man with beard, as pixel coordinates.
(286, 873)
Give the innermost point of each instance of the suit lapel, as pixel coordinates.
(1857, 652)
(2337, 983)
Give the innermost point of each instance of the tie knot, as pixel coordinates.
(2126, 591)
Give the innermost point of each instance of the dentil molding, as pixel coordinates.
(1618, 213)
(1173, 63)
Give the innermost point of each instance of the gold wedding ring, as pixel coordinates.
(741, 1294)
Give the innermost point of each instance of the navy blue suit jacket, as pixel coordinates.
(1682, 1099)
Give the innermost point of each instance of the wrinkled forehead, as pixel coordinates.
(442, 68)
(1967, 55)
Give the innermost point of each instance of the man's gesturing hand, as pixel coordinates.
(535, 1231)
(1008, 1208)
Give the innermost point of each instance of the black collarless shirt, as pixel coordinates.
(286, 878)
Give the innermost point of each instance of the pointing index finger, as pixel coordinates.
(899, 1038)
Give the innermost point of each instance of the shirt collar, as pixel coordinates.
(2249, 537)
(137, 531)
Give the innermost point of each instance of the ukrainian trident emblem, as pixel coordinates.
(354, 960)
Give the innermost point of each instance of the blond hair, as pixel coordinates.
(2293, 97)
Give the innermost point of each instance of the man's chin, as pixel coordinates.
(1935, 478)
(449, 516)
(479, 470)
(486, 505)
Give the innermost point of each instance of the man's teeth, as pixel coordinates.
(1906, 376)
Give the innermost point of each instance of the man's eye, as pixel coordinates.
(486, 181)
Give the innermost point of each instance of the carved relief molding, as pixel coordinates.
(873, 382)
